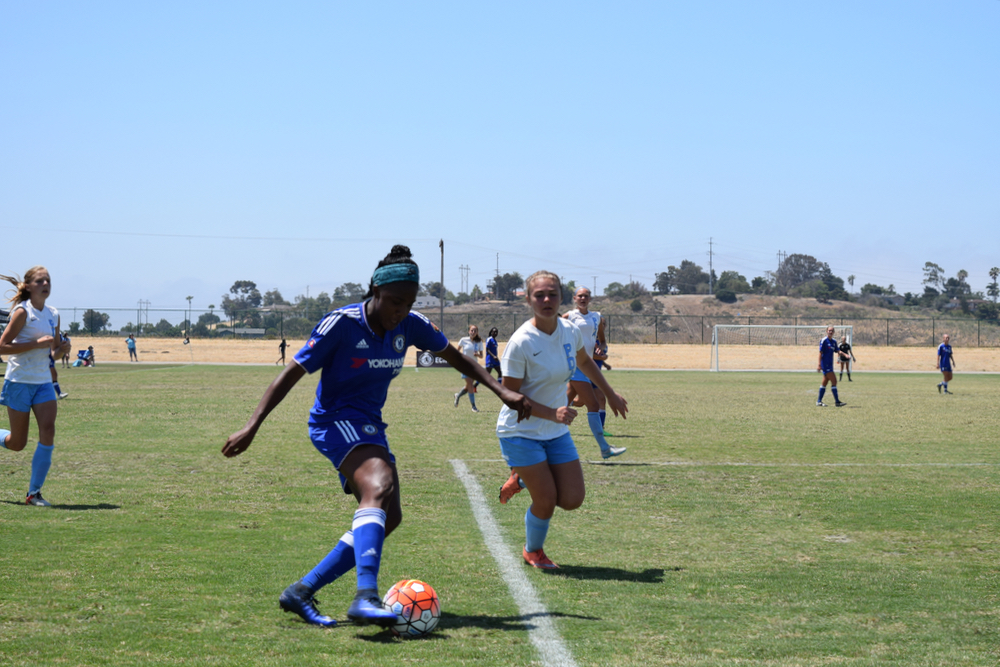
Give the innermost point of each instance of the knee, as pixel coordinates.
(572, 500)
(16, 443)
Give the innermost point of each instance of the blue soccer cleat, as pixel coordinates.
(367, 608)
(298, 599)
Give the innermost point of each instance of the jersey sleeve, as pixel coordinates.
(322, 343)
(423, 335)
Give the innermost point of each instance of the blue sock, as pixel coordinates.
(336, 564)
(369, 533)
(55, 385)
(945, 385)
(835, 397)
(3, 437)
(472, 399)
(604, 417)
(822, 390)
(40, 464)
(535, 530)
(594, 421)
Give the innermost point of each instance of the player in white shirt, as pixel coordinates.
(472, 347)
(30, 340)
(591, 324)
(540, 358)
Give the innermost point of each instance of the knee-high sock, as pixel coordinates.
(40, 464)
(835, 397)
(594, 421)
(535, 530)
(822, 390)
(463, 392)
(369, 534)
(3, 437)
(472, 399)
(337, 563)
(604, 417)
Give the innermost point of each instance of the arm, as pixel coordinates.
(238, 442)
(561, 415)
(616, 401)
(600, 336)
(17, 321)
(512, 399)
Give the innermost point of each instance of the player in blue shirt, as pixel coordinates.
(828, 349)
(493, 354)
(945, 362)
(360, 348)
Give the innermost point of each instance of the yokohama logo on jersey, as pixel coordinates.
(385, 363)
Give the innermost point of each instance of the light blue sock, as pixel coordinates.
(835, 397)
(472, 399)
(822, 390)
(604, 417)
(594, 421)
(3, 437)
(40, 464)
(535, 530)
(369, 534)
(945, 385)
(336, 564)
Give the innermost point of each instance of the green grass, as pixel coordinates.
(743, 527)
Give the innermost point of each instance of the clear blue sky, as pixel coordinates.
(158, 150)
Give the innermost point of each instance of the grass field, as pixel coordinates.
(743, 527)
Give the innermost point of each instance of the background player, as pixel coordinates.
(945, 362)
(846, 357)
(540, 358)
(827, 349)
(360, 348)
(492, 355)
(472, 347)
(30, 341)
(591, 325)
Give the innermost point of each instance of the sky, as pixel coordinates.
(155, 151)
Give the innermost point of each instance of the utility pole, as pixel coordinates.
(465, 278)
(441, 245)
(595, 285)
(710, 265)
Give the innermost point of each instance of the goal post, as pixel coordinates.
(739, 347)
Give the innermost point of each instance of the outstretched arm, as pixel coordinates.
(238, 442)
(466, 366)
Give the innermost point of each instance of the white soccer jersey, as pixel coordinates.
(544, 363)
(469, 347)
(588, 325)
(32, 367)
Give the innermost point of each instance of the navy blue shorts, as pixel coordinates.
(337, 439)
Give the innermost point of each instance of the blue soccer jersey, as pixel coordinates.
(492, 358)
(357, 365)
(827, 348)
(944, 356)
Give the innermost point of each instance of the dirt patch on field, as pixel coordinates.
(696, 357)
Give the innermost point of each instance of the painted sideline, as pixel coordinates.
(542, 631)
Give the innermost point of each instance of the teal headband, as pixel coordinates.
(396, 273)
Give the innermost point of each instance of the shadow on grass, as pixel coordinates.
(71, 508)
(504, 623)
(647, 576)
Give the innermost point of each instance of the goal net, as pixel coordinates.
(743, 347)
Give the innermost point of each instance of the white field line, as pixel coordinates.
(751, 464)
(541, 629)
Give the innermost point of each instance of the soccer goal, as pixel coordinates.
(741, 347)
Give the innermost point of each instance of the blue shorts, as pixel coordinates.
(20, 396)
(578, 376)
(522, 452)
(826, 369)
(337, 439)
(945, 368)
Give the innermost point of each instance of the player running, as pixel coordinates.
(827, 348)
(539, 360)
(492, 354)
(31, 341)
(472, 347)
(945, 362)
(846, 357)
(360, 348)
(591, 325)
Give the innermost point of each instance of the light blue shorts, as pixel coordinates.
(521, 452)
(20, 396)
(335, 440)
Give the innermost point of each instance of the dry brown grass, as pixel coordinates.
(172, 350)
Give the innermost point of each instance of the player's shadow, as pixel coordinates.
(71, 508)
(648, 576)
(503, 623)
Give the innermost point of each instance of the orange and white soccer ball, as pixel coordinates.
(416, 606)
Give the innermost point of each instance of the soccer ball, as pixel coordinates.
(416, 607)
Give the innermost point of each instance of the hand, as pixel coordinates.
(565, 415)
(44, 341)
(238, 442)
(517, 402)
(618, 405)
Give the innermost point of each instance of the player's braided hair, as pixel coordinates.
(21, 286)
(400, 254)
